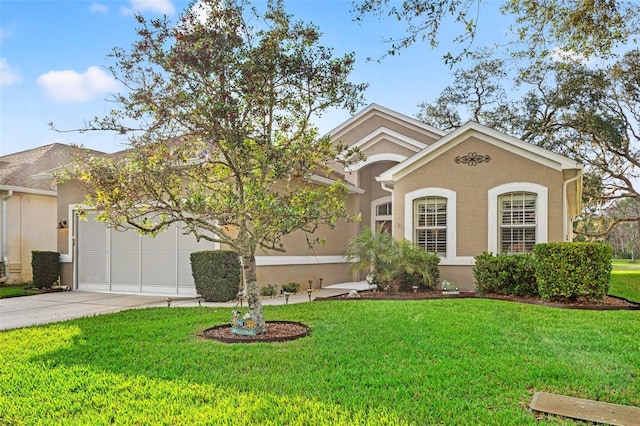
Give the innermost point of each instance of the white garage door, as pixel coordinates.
(125, 262)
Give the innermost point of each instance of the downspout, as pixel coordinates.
(565, 207)
(3, 248)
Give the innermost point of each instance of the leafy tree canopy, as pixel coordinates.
(590, 27)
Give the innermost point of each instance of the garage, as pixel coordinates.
(109, 260)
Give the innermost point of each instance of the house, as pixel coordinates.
(28, 207)
(458, 194)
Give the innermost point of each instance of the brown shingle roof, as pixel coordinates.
(18, 169)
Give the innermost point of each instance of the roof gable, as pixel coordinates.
(486, 134)
(396, 117)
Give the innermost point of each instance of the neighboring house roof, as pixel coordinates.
(489, 135)
(28, 170)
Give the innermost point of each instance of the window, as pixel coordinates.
(382, 217)
(430, 224)
(517, 227)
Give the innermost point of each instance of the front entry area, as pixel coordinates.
(108, 260)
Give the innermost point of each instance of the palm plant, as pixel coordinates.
(374, 251)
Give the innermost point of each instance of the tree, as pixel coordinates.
(590, 27)
(219, 117)
(477, 93)
(625, 238)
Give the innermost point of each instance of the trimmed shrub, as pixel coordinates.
(573, 270)
(269, 290)
(216, 274)
(46, 268)
(291, 287)
(505, 274)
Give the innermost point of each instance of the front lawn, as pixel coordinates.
(625, 280)
(16, 290)
(462, 362)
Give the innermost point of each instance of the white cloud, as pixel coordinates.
(8, 75)
(560, 55)
(99, 8)
(70, 86)
(155, 6)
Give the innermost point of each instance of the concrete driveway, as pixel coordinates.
(16, 312)
(24, 311)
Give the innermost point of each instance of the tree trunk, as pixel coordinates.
(253, 293)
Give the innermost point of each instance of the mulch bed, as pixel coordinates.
(277, 331)
(610, 302)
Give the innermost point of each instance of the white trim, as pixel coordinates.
(542, 210)
(28, 190)
(567, 224)
(298, 260)
(458, 261)
(451, 197)
(71, 209)
(375, 158)
(376, 203)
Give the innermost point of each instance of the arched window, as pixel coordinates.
(517, 217)
(430, 220)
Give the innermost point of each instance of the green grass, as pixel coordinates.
(462, 362)
(15, 290)
(625, 280)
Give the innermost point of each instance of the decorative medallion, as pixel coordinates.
(472, 159)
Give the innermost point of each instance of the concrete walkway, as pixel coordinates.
(16, 312)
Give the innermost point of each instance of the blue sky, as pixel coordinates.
(53, 55)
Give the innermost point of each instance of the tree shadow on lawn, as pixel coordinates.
(437, 360)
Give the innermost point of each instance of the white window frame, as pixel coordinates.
(542, 211)
(451, 197)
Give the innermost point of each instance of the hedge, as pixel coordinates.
(46, 268)
(505, 274)
(216, 274)
(573, 270)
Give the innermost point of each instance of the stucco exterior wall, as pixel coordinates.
(31, 225)
(471, 185)
(330, 274)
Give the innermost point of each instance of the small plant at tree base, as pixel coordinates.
(291, 287)
(269, 290)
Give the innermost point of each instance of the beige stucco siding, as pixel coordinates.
(278, 275)
(471, 185)
(384, 146)
(31, 225)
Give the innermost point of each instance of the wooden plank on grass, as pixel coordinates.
(586, 409)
